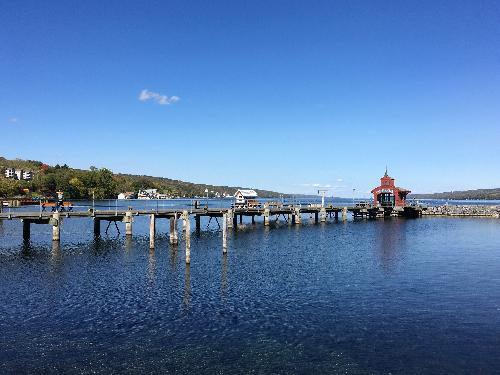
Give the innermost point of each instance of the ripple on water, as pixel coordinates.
(400, 296)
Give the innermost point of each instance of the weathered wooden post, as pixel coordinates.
(267, 213)
(56, 226)
(291, 218)
(97, 227)
(174, 238)
(128, 223)
(26, 230)
(336, 215)
(322, 214)
(183, 223)
(152, 231)
(316, 216)
(344, 213)
(253, 219)
(224, 233)
(230, 218)
(187, 226)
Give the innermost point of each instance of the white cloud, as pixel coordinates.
(340, 179)
(161, 99)
(13, 120)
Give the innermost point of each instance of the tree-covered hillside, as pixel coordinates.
(493, 194)
(81, 184)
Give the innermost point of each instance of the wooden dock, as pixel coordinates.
(229, 217)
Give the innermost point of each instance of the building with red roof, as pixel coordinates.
(388, 194)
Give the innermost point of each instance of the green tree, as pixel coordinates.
(9, 187)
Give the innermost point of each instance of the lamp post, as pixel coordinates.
(353, 190)
(322, 192)
(206, 191)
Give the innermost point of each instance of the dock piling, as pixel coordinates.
(173, 235)
(229, 218)
(344, 213)
(97, 227)
(152, 231)
(187, 226)
(26, 230)
(128, 223)
(56, 226)
(197, 220)
(224, 234)
(266, 216)
(322, 214)
(298, 216)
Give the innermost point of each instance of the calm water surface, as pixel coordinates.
(384, 296)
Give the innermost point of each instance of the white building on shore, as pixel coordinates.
(18, 174)
(245, 197)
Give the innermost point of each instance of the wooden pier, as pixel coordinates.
(291, 214)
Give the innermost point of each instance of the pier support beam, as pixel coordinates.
(336, 215)
(97, 227)
(197, 220)
(253, 219)
(266, 216)
(56, 226)
(187, 236)
(241, 219)
(152, 231)
(173, 235)
(128, 223)
(316, 216)
(224, 234)
(344, 213)
(322, 214)
(26, 230)
(298, 216)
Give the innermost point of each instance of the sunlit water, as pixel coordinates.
(371, 296)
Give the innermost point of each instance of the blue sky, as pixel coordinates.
(282, 95)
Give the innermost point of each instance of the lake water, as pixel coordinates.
(367, 297)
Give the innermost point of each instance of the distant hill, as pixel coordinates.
(491, 194)
(82, 184)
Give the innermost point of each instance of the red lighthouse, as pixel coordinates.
(388, 194)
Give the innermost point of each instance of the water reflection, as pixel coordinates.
(151, 266)
(173, 256)
(223, 283)
(391, 238)
(26, 247)
(128, 244)
(55, 256)
(187, 287)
